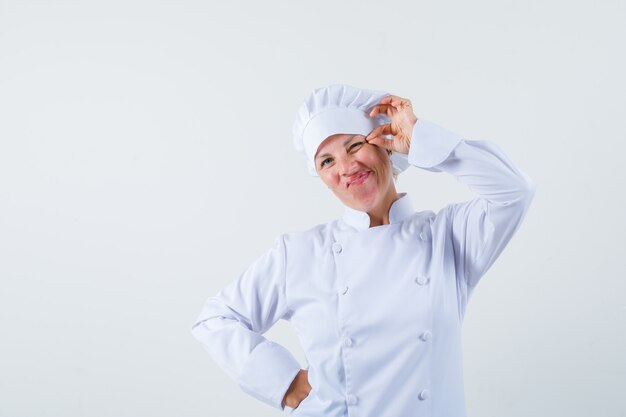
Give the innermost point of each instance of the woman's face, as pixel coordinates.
(358, 173)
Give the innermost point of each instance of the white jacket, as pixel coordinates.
(378, 310)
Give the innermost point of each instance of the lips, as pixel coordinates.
(358, 178)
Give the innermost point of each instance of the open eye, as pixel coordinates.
(324, 162)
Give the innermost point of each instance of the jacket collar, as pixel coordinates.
(399, 210)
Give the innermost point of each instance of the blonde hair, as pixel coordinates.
(394, 171)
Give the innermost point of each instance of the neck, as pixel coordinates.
(380, 215)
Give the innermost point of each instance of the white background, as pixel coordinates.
(146, 159)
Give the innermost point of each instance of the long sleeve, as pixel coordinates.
(479, 228)
(231, 325)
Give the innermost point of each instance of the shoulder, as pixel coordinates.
(421, 218)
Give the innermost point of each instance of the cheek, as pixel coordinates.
(328, 179)
(373, 154)
(377, 158)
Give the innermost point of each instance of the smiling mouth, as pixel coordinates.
(360, 179)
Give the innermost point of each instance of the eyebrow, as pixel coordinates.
(344, 144)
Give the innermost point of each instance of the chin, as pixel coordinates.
(360, 201)
(364, 204)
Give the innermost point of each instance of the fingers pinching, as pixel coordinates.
(375, 137)
(379, 130)
(400, 126)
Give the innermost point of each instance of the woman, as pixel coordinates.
(378, 296)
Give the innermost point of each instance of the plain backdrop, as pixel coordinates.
(146, 159)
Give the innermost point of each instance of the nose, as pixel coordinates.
(347, 166)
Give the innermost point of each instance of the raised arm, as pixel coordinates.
(480, 228)
(231, 325)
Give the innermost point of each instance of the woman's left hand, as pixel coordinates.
(400, 111)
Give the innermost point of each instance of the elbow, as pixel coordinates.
(202, 328)
(526, 190)
(196, 329)
(203, 333)
(208, 325)
(529, 190)
(212, 317)
(520, 195)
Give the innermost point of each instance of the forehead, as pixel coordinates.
(333, 142)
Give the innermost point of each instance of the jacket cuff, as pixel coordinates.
(431, 144)
(269, 371)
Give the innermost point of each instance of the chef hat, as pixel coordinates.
(335, 109)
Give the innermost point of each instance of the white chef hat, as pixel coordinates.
(335, 109)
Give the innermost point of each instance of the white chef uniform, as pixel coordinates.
(378, 310)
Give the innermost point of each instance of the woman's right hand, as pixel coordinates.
(298, 390)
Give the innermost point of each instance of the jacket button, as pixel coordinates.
(425, 336)
(343, 290)
(421, 280)
(424, 395)
(347, 342)
(352, 399)
(336, 247)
